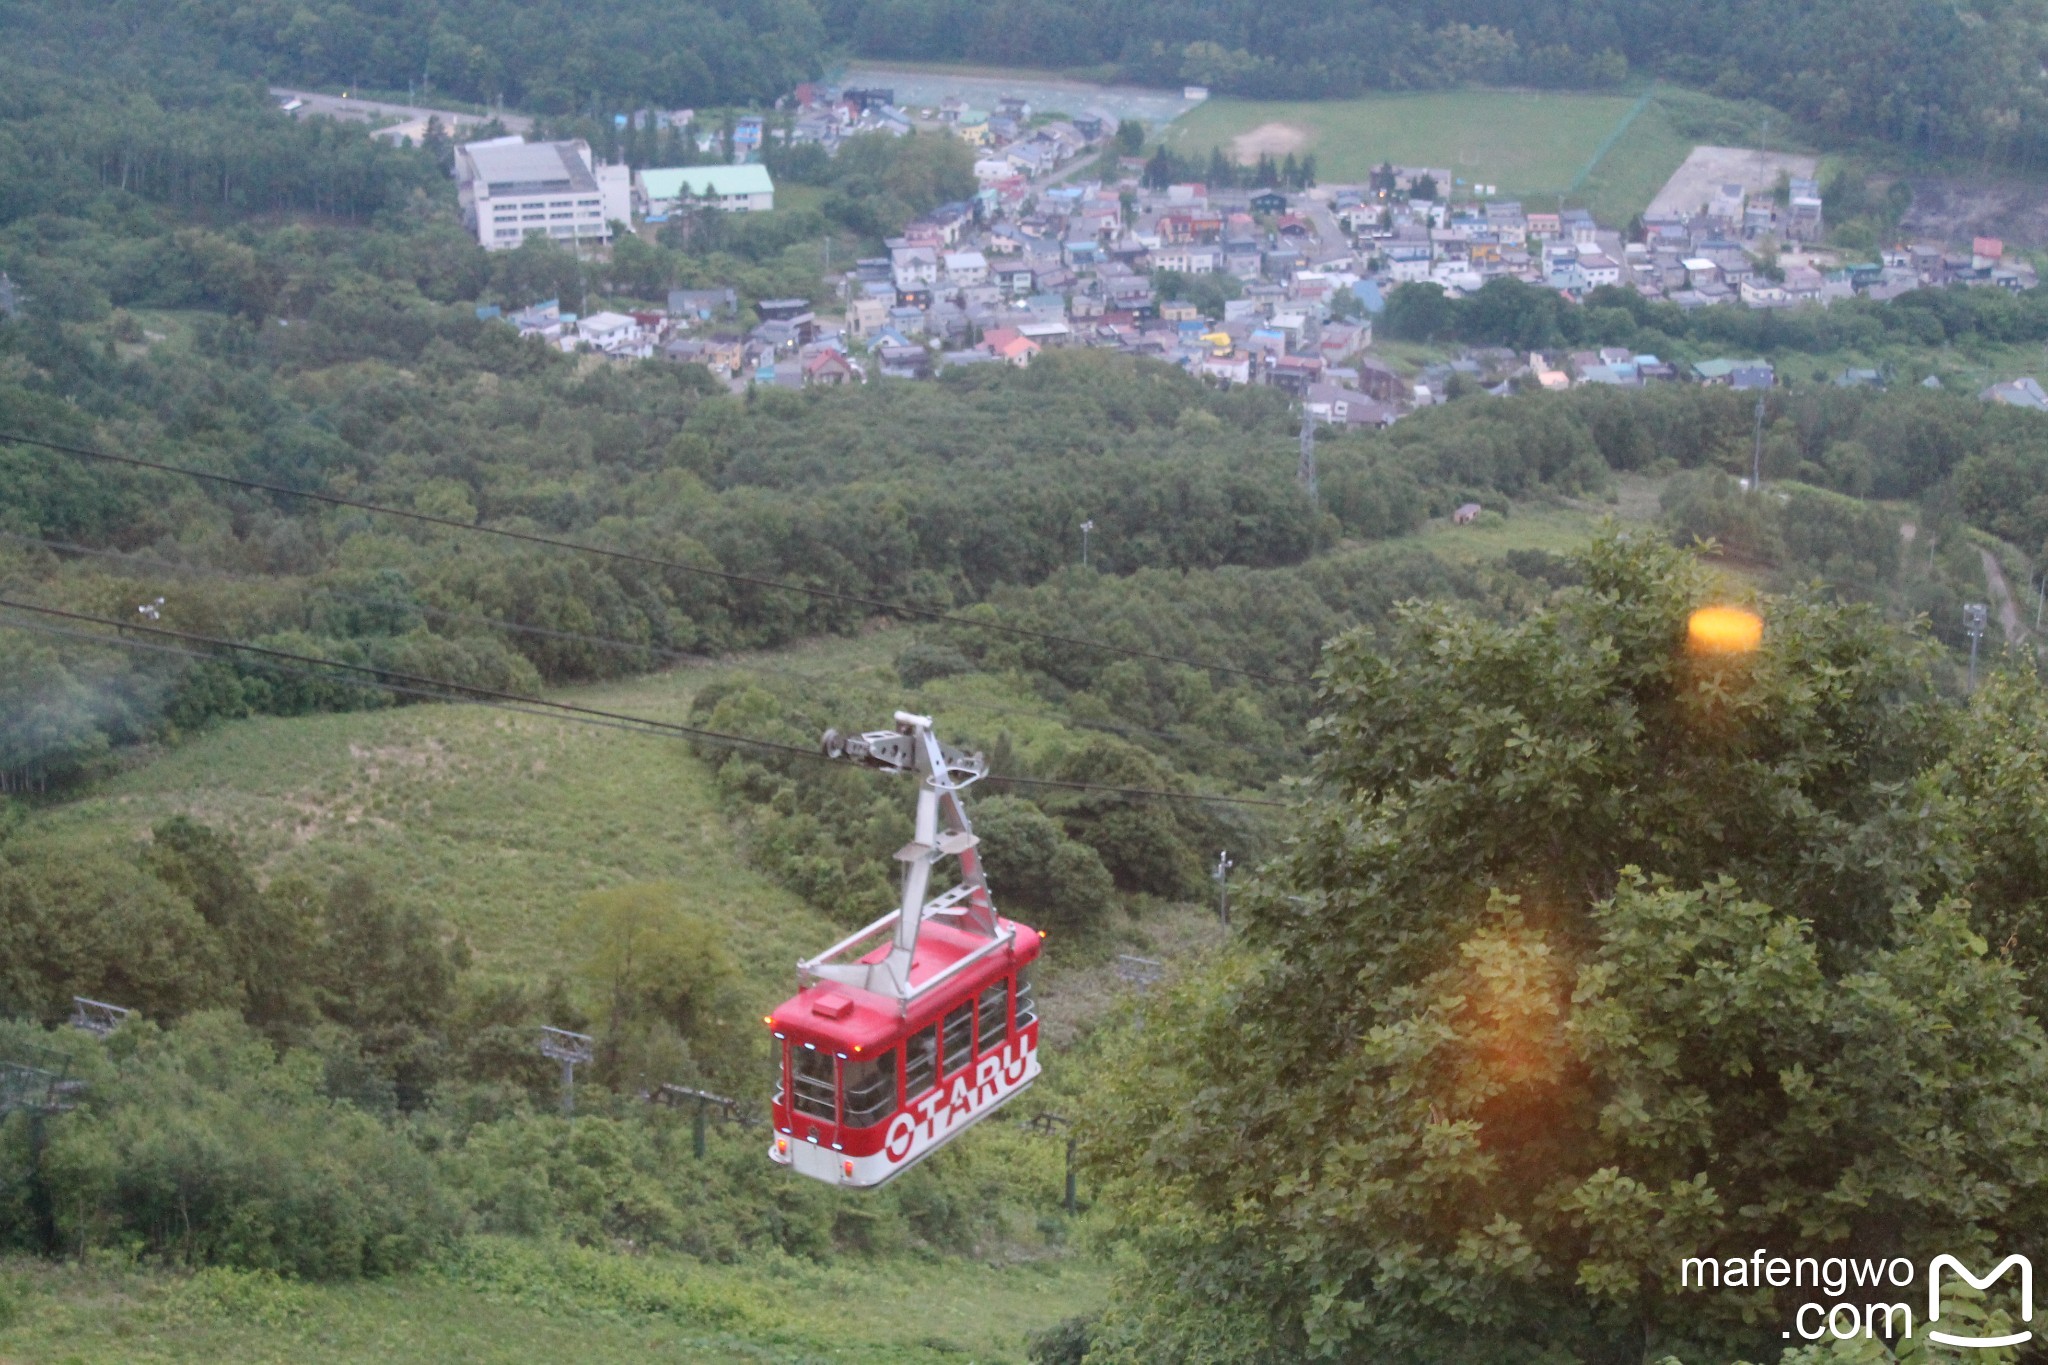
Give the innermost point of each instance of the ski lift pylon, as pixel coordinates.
(908, 1032)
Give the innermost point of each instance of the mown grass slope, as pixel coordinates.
(1529, 142)
(534, 1303)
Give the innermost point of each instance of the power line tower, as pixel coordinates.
(571, 1050)
(1048, 1124)
(1307, 472)
(39, 1088)
(677, 1096)
(97, 1017)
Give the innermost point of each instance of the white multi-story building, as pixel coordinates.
(965, 269)
(511, 189)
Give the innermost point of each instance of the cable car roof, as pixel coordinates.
(851, 1018)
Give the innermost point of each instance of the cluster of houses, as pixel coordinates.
(1737, 248)
(1049, 253)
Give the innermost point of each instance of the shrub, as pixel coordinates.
(199, 1146)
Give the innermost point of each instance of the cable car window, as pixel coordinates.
(810, 1072)
(1027, 1008)
(870, 1089)
(995, 1015)
(921, 1060)
(960, 1037)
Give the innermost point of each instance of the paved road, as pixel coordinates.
(366, 111)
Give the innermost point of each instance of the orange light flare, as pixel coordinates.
(1723, 630)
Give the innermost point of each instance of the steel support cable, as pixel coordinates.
(440, 688)
(653, 561)
(609, 642)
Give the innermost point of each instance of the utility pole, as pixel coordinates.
(1974, 615)
(1087, 529)
(1222, 876)
(1307, 471)
(1046, 1123)
(1756, 454)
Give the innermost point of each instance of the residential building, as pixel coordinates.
(914, 268)
(510, 189)
(1803, 214)
(2018, 393)
(1599, 269)
(1339, 406)
(865, 316)
(1009, 345)
(828, 368)
(703, 305)
(966, 268)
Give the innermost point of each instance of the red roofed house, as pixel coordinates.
(1986, 251)
(1009, 345)
(829, 367)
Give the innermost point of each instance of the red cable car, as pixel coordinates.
(891, 1048)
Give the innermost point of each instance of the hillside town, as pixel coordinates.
(1066, 242)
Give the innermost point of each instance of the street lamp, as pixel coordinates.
(1086, 528)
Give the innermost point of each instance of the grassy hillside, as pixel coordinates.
(528, 1305)
(504, 820)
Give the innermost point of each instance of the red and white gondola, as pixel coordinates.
(894, 1046)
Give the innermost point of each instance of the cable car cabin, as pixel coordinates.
(867, 1092)
(892, 1048)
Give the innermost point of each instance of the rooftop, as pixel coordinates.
(509, 167)
(669, 182)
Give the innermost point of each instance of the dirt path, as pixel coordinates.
(2008, 613)
(1269, 139)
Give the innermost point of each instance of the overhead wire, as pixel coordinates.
(440, 688)
(629, 647)
(652, 561)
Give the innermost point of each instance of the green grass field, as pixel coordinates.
(503, 820)
(894, 1312)
(1533, 144)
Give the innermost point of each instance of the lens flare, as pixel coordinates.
(1723, 630)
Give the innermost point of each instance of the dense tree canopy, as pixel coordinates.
(547, 57)
(1594, 953)
(1937, 78)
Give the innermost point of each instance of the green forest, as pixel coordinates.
(1942, 80)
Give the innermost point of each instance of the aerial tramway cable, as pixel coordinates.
(440, 688)
(652, 561)
(604, 641)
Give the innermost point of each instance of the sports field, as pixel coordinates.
(1533, 144)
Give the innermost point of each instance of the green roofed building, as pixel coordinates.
(736, 189)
